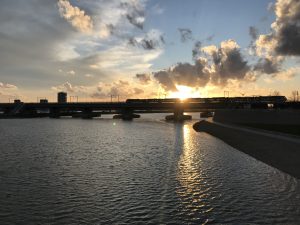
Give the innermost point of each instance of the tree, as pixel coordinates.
(275, 93)
(295, 96)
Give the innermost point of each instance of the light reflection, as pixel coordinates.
(193, 190)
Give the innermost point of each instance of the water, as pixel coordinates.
(104, 171)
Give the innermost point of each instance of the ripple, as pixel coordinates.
(145, 172)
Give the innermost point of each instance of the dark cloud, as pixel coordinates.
(227, 63)
(288, 39)
(267, 66)
(151, 40)
(193, 75)
(284, 40)
(149, 44)
(196, 49)
(143, 78)
(165, 79)
(185, 34)
(210, 38)
(135, 14)
(253, 32)
(212, 64)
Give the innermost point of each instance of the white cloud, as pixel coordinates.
(7, 86)
(89, 75)
(75, 16)
(71, 73)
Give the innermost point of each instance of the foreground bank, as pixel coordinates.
(281, 152)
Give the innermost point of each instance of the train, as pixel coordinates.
(252, 99)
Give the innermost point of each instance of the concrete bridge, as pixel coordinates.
(133, 107)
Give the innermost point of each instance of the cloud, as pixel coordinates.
(212, 65)
(143, 78)
(157, 9)
(68, 87)
(89, 75)
(210, 38)
(267, 66)
(134, 13)
(185, 34)
(37, 39)
(138, 91)
(196, 49)
(288, 74)
(271, 6)
(165, 79)
(193, 75)
(7, 86)
(120, 59)
(253, 32)
(150, 41)
(75, 16)
(226, 62)
(71, 73)
(284, 39)
(120, 89)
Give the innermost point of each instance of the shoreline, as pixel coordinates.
(281, 153)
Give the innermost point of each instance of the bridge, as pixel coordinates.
(131, 108)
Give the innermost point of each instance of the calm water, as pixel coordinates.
(103, 171)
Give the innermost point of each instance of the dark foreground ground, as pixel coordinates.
(284, 128)
(281, 153)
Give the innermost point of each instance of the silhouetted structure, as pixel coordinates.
(43, 101)
(61, 97)
(132, 107)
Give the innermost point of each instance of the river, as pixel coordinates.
(148, 171)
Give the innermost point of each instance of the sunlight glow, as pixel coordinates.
(184, 92)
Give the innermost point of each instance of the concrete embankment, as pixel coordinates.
(258, 116)
(281, 152)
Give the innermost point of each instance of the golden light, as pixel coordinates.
(184, 92)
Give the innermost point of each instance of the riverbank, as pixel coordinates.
(281, 152)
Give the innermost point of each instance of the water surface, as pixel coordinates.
(104, 171)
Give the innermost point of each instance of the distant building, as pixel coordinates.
(61, 97)
(17, 101)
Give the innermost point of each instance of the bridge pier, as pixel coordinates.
(206, 114)
(86, 114)
(126, 114)
(54, 113)
(178, 115)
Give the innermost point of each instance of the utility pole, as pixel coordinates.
(74, 98)
(226, 94)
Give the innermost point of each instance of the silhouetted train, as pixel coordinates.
(254, 99)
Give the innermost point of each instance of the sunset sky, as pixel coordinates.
(148, 48)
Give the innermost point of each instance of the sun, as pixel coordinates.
(184, 92)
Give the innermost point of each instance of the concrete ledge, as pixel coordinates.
(281, 153)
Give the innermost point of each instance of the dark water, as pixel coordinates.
(104, 171)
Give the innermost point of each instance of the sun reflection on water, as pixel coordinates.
(193, 190)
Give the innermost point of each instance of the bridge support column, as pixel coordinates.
(126, 114)
(87, 114)
(178, 115)
(206, 114)
(54, 113)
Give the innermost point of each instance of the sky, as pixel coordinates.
(95, 49)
